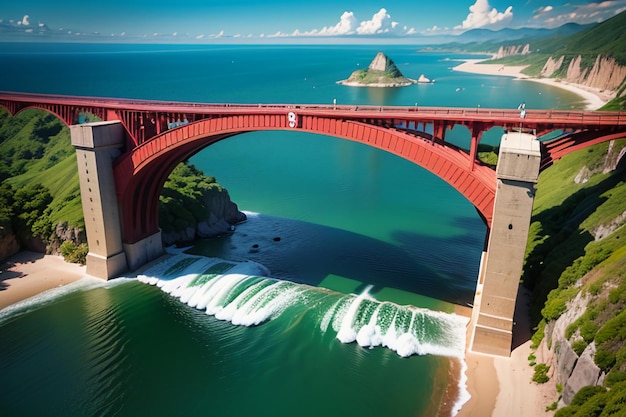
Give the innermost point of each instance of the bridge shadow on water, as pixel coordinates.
(441, 268)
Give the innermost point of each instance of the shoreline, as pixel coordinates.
(594, 97)
(497, 386)
(503, 387)
(27, 274)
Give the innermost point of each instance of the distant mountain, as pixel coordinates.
(486, 35)
(607, 38)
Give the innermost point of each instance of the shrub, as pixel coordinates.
(541, 373)
(613, 330)
(585, 393)
(588, 331)
(579, 346)
(614, 377)
(566, 412)
(605, 359)
(74, 253)
(539, 334)
(594, 405)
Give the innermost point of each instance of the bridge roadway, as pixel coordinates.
(125, 158)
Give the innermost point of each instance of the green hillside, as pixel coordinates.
(40, 187)
(35, 148)
(577, 242)
(607, 38)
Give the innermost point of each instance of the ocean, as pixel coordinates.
(336, 297)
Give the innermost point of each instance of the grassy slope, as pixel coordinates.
(55, 169)
(565, 213)
(563, 259)
(21, 137)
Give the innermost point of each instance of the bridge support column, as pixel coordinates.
(496, 292)
(143, 251)
(97, 145)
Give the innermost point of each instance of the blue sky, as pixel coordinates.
(265, 19)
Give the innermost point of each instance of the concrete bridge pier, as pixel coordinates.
(496, 292)
(97, 145)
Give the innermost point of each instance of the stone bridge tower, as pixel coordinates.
(498, 281)
(97, 146)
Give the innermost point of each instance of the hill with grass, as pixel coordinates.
(40, 204)
(576, 269)
(594, 57)
(381, 72)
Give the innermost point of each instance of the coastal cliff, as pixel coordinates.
(576, 263)
(510, 50)
(193, 205)
(604, 74)
(221, 214)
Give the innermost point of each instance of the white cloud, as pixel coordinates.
(346, 25)
(582, 14)
(481, 16)
(380, 23)
(24, 21)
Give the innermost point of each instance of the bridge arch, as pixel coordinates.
(66, 114)
(141, 173)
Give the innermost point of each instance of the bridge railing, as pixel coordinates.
(573, 117)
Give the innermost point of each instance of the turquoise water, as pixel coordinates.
(347, 242)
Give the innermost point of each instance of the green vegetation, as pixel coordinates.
(74, 253)
(186, 193)
(568, 253)
(541, 373)
(39, 187)
(488, 155)
(371, 76)
(35, 149)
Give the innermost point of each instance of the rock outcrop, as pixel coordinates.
(222, 214)
(570, 370)
(611, 161)
(381, 72)
(383, 63)
(505, 51)
(9, 246)
(604, 74)
(551, 66)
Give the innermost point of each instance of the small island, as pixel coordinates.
(382, 72)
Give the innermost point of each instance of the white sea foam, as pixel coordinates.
(244, 295)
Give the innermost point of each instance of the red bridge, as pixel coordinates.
(133, 157)
(159, 135)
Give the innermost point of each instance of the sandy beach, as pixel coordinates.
(29, 273)
(594, 97)
(503, 387)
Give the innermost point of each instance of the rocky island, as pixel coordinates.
(382, 72)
